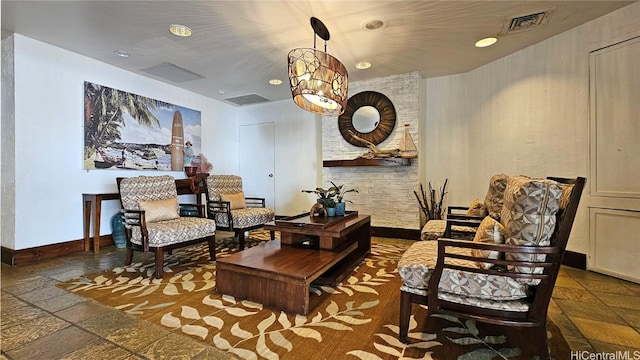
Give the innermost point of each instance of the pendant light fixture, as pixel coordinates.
(318, 80)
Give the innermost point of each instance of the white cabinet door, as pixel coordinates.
(614, 202)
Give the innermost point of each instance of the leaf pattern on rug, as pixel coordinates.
(357, 319)
(469, 328)
(397, 349)
(268, 332)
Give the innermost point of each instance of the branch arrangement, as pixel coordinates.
(431, 202)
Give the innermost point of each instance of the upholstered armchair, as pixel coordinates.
(232, 210)
(461, 218)
(152, 219)
(507, 273)
(461, 222)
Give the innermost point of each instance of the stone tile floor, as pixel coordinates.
(596, 314)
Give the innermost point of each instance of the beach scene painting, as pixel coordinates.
(128, 131)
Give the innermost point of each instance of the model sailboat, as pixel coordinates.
(407, 147)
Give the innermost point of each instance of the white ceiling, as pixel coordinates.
(237, 46)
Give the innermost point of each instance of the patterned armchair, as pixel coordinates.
(463, 221)
(231, 210)
(504, 276)
(152, 219)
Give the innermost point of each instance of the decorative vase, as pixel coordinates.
(340, 208)
(331, 211)
(189, 210)
(118, 231)
(191, 171)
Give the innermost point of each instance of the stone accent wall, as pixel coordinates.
(385, 193)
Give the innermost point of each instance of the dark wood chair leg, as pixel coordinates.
(405, 315)
(129, 258)
(159, 262)
(212, 248)
(241, 239)
(273, 234)
(540, 341)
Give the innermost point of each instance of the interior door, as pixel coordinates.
(257, 161)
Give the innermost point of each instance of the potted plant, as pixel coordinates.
(341, 206)
(326, 198)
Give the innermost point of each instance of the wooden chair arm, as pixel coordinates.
(136, 218)
(453, 207)
(455, 220)
(221, 207)
(552, 253)
(464, 217)
(255, 201)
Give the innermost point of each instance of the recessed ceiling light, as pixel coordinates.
(180, 30)
(488, 41)
(275, 81)
(222, 91)
(121, 53)
(363, 65)
(374, 24)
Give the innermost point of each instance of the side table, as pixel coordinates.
(92, 204)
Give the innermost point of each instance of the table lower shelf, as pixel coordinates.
(279, 275)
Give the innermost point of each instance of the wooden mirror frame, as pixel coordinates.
(385, 126)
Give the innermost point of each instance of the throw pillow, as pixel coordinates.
(492, 232)
(159, 210)
(529, 216)
(477, 208)
(236, 200)
(495, 196)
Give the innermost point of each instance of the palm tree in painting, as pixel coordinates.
(104, 110)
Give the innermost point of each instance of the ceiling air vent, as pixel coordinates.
(172, 72)
(246, 99)
(527, 22)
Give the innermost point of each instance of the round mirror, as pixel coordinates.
(369, 115)
(365, 119)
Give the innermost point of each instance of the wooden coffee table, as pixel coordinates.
(278, 273)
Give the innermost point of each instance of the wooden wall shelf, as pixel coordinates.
(367, 162)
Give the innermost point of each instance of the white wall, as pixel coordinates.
(297, 151)
(49, 175)
(527, 113)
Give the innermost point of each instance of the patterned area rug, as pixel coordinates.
(358, 319)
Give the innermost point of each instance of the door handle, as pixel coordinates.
(270, 175)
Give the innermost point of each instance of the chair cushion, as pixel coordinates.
(246, 217)
(494, 199)
(529, 216)
(504, 305)
(483, 286)
(417, 263)
(489, 231)
(159, 210)
(236, 200)
(175, 231)
(477, 208)
(433, 229)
